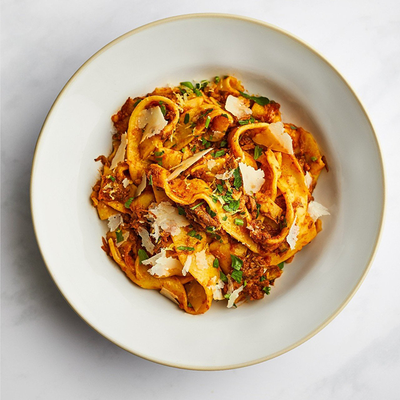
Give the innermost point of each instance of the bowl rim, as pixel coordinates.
(334, 69)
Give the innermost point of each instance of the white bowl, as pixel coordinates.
(312, 94)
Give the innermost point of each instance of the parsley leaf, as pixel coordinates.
(238, 178)
(211, 212)
(313, 159)
(257, 152)
(181, 210)
(232, 206)
(194, 234)
(197, 205)
(281, 265)
(266, 290)
(236, 262)
(217, 79)
(120, 236)
(208, 120)
(162, 107)
(237, 276)
(262, 101)
(188, 85)
(239, 222)
(185, 248)
(187, 118)
(223, 277)
(216, 263)
(262, 278)
(142, 255)
(128, 202)
(219, 153)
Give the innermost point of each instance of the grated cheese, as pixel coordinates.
(142, 185)
(120, 153)
(234, 295)
(114, 222)
(152, 119)
(186, 267)
(308, 179)
(162, 265)
(216, 286)
(166, 217)
(126, 182)
(284, 140)
(235, 106)
(146, 241)
(184, 165)
(292, 235)
(253, 179)
(316, 210)
(225, 176)
(211, 164)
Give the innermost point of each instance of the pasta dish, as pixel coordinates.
(207, 193)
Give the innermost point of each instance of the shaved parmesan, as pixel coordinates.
(186, 267)
(316, 210)
(146, 241)
(187, 163)
(282, 137)
(201, 259)
(125, 238)
(235, 106)
(211, 164)
(142, 185)
(152, 119)
(126, 182)
(120, 154)
(308, 180)
(169, 295)
(253, 179)
(114, 222)
(234, 295)
(162, 265)
(216, 286)
(225, 176)
(166, 217)
(292, 235)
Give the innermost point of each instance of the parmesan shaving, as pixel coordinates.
(216, 286)
(187, 163)
(126, 182)
(114, 222)
(169, 295)
(146, 241)
(125, 238)
(225, 176)
(283, 138)
(292, 235)
(308, 180)
(186, 267)
(120, 154)
(234, 295)
(162, 265)
(235, 106)
(316, 210)
(142, 185)
(211, 164)
(153, 120)
(166, 217)
(253, 179)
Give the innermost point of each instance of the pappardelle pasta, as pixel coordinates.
(207, 193)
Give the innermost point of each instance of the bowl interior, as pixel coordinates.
(312, 94)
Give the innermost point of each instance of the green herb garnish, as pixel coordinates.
(162, 107)
(238, 179)
(197, 205)
(220, 188)
(208, 120)
(197, 91)
(159, 153)
(216, 263)
(266, 290)
(314, 159)
(227, 296)
(219, 153)
(111, 177)
(137, 102)
(194, 148)
(223, 143)
(181, 210)
(217, 79)
(142, 255)
(237, 276)
(187, 118)
(211, 212)
(185, 248)
(258, 210)
(263, 278)
(223, 277)
(188, 85)
(224, 218)
(257, 152)
(251, 120)
(293, 127)
(236, 262)
(239, 222)
(194, 234)
(262, 101)
(120, 236)
(281, 265)
(232, 206)
(151, 180)
(128, 202)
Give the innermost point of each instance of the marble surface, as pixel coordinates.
(48, 352)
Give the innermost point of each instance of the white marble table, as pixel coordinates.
(48, 352)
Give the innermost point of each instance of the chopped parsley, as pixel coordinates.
(262, 101)
(217, 79)
(142, 255)
(111, 177)
(185, 248)
(120, 236)
(257, 152)
(227, 296)
(220, 188)
(187, 118)
(137, 102)
(151, 180)
(211, 212)
(188, 85)
(223, 277)
(214, 199)
(197, 205)
(251, 120)
(266, 290)
(293, 127)
(159, 153)
(238, 179)
(239, 222)
(237, 276)
(281, 265)
(236, 262)
(183, 150)
(189, 304)
(223, 143)
(205, 143)
(216, 263)
(219, 153)
(181, 210)
(128, 202)
(314, 159)
(262, 278)
(208, 120)
(197, 91)
(162, 107)
(232, 206)
(224, 218)
(194, 148)
(194, 234)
